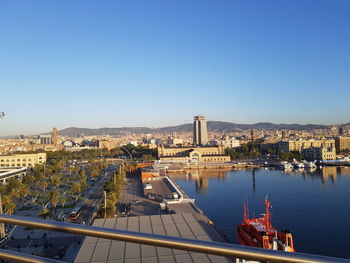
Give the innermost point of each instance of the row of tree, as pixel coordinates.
(142, 153)
(50, 184)
(113, 189)
(253, 150)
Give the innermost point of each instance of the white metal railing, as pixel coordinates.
(215, 248)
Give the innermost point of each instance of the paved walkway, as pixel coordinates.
(132, 194)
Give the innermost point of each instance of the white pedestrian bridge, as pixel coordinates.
(6, 173)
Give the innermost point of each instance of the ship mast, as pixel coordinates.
(267, 217)
(245, 217)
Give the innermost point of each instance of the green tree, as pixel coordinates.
(53, 198)
(9, 208)
(23, 190)
(289, 156)
(44, 213)
(13, 184)
(28, 180)
(35, 195)
(82, 173)
(5, 199)
(63, 200)
(44, 185)
(76, 190)
(147, 157)
(56, 180)
(95, 172)
(104, 165)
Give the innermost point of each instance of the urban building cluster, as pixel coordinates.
(199, 145)
(199, 151)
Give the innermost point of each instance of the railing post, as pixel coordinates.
(2, 226)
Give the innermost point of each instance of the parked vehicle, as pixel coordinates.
(75, 213)
(122, 208)
(147, 186)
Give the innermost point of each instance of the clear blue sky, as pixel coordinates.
(157, 63)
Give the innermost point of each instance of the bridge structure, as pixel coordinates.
(6, 173)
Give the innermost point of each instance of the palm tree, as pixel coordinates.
(53, 198)
(5, 199)
(56, 180)
(44, 213)
(63, 200)
(23, 190)
(14, 194)
(35, 195)
(76, 190)
(82, 173)
(44, 185)
(70, 170)
(9, 208)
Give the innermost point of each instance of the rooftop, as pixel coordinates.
(179, 225)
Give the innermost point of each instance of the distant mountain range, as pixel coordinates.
(212, 126)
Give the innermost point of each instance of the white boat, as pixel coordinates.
(285, 165)
(309, 165)
(298, 165)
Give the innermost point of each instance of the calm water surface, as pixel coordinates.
(314, 206)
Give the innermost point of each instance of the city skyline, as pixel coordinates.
(116, 64)
(190, 123)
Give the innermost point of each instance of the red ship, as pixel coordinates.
(259, 232)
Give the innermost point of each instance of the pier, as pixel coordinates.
(181, 218)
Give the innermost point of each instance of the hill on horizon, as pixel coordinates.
(218, 126)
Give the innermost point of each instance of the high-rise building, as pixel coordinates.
(54, 136)
(200, 132)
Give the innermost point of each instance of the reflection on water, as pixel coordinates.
(315, 205)
(201, 176)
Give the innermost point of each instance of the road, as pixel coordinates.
(132, 194)
(92, 199)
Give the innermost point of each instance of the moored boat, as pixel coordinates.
(285, 165)
(259, 232)
(309, 165)
(298, 165)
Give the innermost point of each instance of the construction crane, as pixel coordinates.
(2, 115)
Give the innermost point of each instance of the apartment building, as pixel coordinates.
(22, 160)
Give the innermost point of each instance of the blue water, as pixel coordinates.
(315, 207)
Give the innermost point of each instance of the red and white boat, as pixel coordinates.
(259, 232)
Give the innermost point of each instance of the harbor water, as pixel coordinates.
(314, 206)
